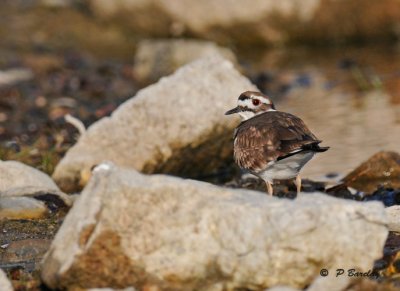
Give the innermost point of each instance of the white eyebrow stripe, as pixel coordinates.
(264, 100)
(246, 103)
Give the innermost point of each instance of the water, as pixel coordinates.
(349, 98)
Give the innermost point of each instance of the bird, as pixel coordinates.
(271, 144)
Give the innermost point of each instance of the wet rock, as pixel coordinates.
(14, 175)
(168, 233)
(175, 126)
(4, 282)
(382, 169)
(157, 58)
(257, 21)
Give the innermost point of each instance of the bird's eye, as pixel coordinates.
(256, 102)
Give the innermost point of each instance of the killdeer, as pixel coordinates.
(271, 144)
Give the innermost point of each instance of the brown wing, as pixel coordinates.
(268, 137)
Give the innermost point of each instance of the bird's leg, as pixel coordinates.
(297, 182)
(270, 190)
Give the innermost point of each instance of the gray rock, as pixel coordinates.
(393, 217)
(31, 202)
(15, 174)
(5, 284)
(175, 126)
(21, 208)
(157, 58)
(129, 229)
(24, 189)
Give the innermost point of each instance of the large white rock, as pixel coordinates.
(175, 126)
(129, 229)
(5, 284)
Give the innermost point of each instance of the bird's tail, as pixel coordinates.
(315, 147)
(321, 149)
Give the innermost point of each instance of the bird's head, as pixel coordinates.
(251, 104)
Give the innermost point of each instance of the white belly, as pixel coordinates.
(287, 168)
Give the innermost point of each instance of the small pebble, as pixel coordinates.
(40, 101)
(3, 117)
(4, 246)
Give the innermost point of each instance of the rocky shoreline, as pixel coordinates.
(155, 231)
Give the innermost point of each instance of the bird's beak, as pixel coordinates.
(232, 111)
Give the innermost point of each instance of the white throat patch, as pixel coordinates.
(246, 114)
(249, 114)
